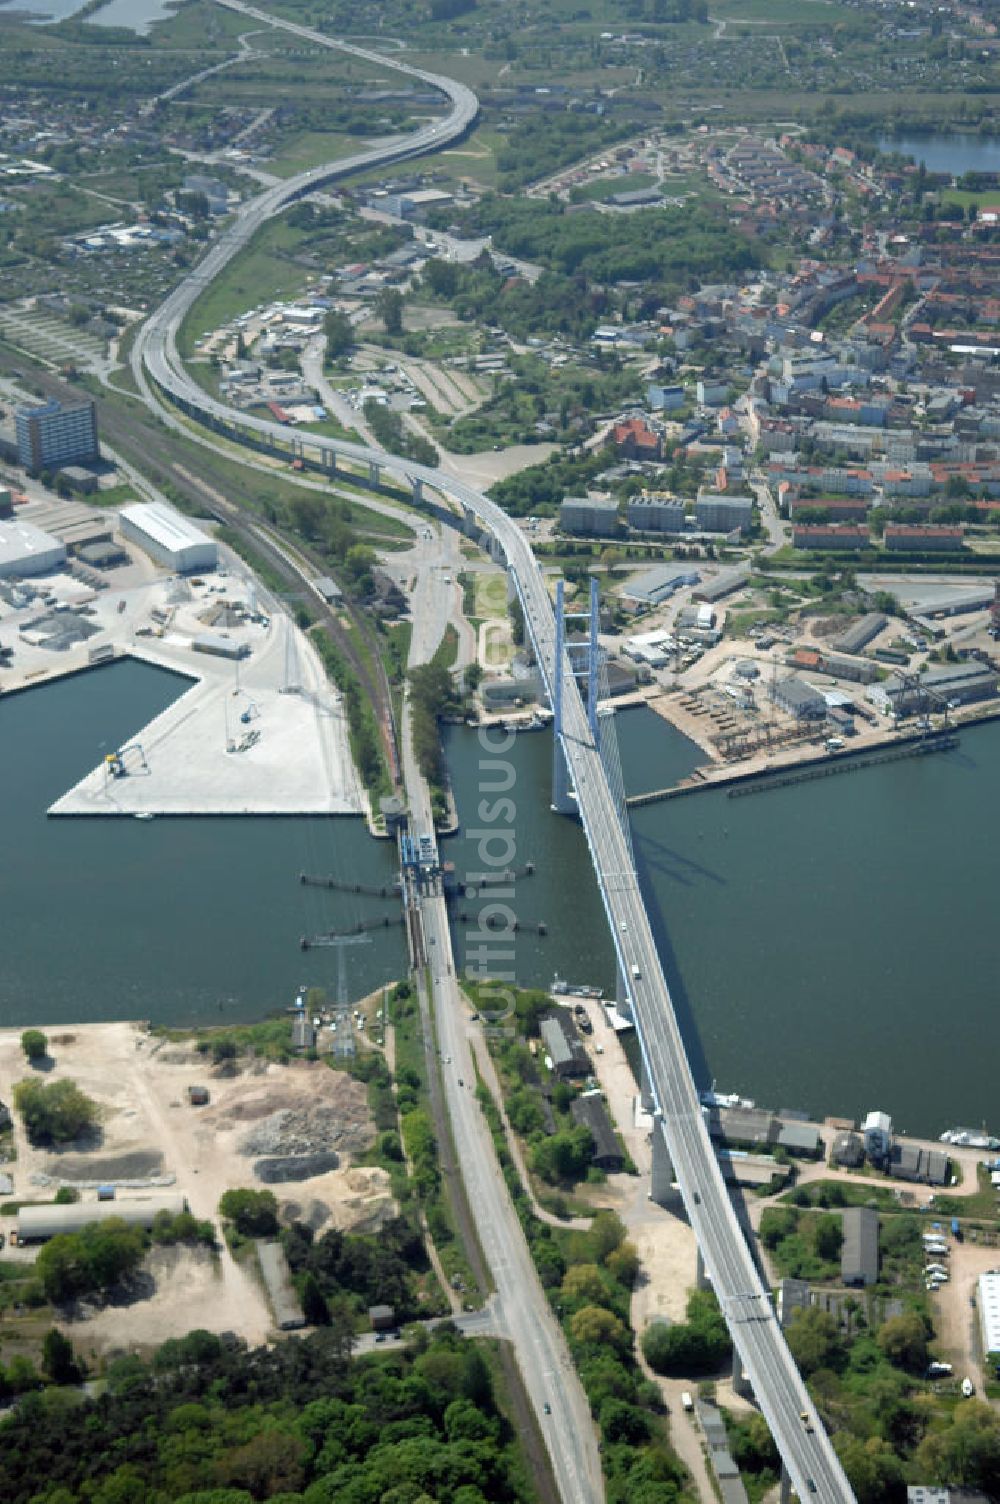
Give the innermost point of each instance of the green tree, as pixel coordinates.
(965, 1454)
(54, 1113)
(594, 1326)
(828, 1235)
(34, 1044)
(815, 1341)
(339, 333)
(59, 1359)
(314, 1306)
(389, 308)
(253, 1213)
(95, 1259)
(903, 1340)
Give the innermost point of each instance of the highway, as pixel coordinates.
(811, 1462)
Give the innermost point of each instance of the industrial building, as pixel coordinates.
(909, 1162)
(715, 513)
(563, 1047)
(652, 513)
(876, 1130)
(218, 646)
(848, 1150)
(169, 538)
(727, 1474)
(38, 1223)
(799, 699)
(277, 1277)
(653, 586)
(595, 516)
(56, 434)
(25, 549)
(859, 1251)
(989, 1312)
(590, 1112)
(724, 583)
(652, 648)
(957, 684)
(860, 633)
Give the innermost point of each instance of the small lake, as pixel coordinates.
(955, 152)
(135, 15)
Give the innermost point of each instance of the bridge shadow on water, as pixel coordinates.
(654, 856)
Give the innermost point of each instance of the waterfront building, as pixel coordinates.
(956, 684)
(799, 699)
(877, 1132)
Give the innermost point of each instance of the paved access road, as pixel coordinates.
(808, 1455)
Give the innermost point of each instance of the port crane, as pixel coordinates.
(914, 685)
(115, 765)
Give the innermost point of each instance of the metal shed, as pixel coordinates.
(38, 1223)
(859, 1254)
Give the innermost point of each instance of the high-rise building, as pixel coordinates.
(57, 434)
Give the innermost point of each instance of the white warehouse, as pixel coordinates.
(989, 1313)
(39, 1223)
(168, 537)
(25, 549)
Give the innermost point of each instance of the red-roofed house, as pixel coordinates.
(635, 440)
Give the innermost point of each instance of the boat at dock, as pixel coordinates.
(969, 1138)
(143, 814)
(560, 988)
(715, 1098)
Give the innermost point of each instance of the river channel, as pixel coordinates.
(828, 944)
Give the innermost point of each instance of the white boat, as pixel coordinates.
(968, 1388)
(143, 814)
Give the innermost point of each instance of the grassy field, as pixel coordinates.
(259, 274)
(601, 189)
(475, 157)
(311, 149)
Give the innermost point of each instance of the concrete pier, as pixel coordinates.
(235, 741)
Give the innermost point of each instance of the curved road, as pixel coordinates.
(805, 1448)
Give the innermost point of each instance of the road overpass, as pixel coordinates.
(679, 1128)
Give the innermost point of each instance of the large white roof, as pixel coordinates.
(989, 1311)
(163, 524)
(22, 540)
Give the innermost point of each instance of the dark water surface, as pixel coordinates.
(954, 151)
(829, 944)
(165, 919)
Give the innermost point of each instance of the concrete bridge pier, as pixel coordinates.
(701, 1279)
(418, 491)
(623, 1002)
(662, 1188)
(741, 1384)
(374, 473)
(786, 1486)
